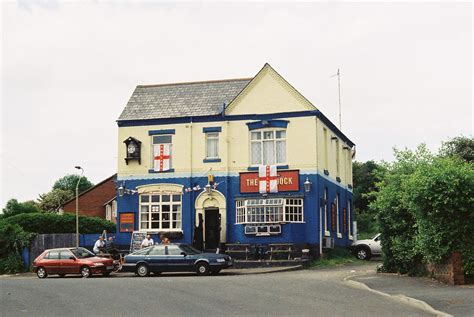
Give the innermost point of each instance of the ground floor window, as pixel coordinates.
(160, 211)
(269, 210)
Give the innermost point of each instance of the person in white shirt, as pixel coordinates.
(148, 241)
(99, 245)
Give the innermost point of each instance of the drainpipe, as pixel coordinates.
(193, 222)
(318, 201)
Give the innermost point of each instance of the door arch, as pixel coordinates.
(214, 200)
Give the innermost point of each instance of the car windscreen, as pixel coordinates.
(189, 249)
(82, 253)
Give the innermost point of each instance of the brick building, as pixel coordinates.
(97, 201)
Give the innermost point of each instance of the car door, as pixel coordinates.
(51, 262)
(177, 261)
(156, 259)
(68, 262)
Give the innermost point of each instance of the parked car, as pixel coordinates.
(365, 249)
(71, 261)
(175, 258)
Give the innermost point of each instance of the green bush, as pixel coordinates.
(441, 195)
(53, 223)
(12, 241)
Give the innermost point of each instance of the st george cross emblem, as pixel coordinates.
(161, 157)
(267, 179)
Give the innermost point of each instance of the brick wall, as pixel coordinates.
(450, 272)
(91, 202)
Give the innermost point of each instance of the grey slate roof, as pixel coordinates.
(182, 99)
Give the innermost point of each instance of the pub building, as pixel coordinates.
(244, 161)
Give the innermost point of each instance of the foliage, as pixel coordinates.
(54, 223)
(462, 147)
(52, 201)
(12, 241)
(336, 257)
(397, 223)
(441, 195)
(366, 175)
(13, 207)
(69, 183)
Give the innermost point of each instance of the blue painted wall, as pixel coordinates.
(299, 233)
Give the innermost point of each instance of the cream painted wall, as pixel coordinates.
(268, 92)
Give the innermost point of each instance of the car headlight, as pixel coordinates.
(220, 260)
(98, 264)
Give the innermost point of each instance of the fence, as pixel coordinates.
(57, 240)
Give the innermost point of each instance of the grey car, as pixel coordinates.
(365, 249)
(175, 258)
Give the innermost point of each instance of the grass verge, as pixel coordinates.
(336, 257)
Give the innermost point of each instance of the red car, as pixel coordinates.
(71, 261)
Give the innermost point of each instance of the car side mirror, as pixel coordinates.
(184, 253)
(72, 258)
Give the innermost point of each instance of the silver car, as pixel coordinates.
(365, 249)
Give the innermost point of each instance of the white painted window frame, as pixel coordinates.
(151, 204)
(274, 140)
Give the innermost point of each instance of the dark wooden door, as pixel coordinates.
(212, 230)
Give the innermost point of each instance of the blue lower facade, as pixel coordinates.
(301, 233)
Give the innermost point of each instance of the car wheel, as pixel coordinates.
(62, 275)
(142, 270)
(86, 272)
(202, 268)
(363, 253)
(41, 272)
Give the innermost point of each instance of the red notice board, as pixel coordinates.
(127, 221)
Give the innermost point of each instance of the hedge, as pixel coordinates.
(54, 223)
(12, 240)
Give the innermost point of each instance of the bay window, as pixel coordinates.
(269, 210)
(160, 211)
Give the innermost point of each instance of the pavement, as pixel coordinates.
(445, 299)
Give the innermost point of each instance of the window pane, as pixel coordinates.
(144, 209)
(212, 135)
(162, 139)
(256, 153)
(155, 198)
(165, 198)
(255, 136)
(174, 250)
(281, 152)
(66, 254)
(53, 255)
(268, 153)
(268, 134)
(145, 198)
(212, 147)
(158, 250)
(176, 198)
(281, 134)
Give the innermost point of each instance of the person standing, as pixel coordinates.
(148, 241)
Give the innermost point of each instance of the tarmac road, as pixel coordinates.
(297, 293)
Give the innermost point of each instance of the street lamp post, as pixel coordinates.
(77, 205)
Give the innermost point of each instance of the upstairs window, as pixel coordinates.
(162, 153)
(268, 147)
(212, 145)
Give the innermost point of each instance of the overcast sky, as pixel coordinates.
(68, 69)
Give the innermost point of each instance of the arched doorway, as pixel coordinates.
(211, 212)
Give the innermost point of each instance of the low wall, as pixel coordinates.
(450, 272)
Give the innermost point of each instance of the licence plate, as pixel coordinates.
(110, 267)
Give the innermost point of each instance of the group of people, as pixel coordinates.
(103, 246)
(148, 241)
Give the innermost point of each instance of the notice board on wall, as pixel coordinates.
(127, 221)
(136, 241)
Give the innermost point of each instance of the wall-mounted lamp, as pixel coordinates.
(208, 189)
(122, 190)
(307, 185)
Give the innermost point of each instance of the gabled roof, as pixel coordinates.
(113, 177)
(175, 100)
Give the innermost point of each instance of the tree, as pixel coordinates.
(461, 146)
(52, 201)
(13, 207)
(396, 220)
(366, 175)
(69, 182)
